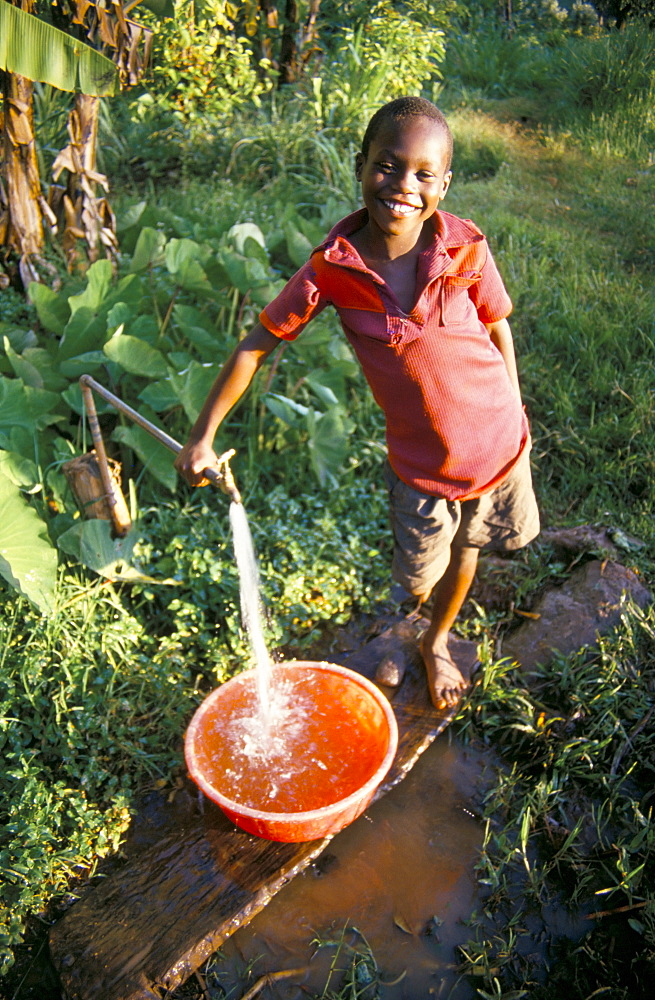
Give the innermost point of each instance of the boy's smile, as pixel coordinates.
(404, 177)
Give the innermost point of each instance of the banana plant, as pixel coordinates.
(33, 49)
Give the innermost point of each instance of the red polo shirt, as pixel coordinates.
(455, 426)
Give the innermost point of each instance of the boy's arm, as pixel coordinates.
(230, 385)
(501, 336)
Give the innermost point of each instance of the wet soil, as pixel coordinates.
(403, 876)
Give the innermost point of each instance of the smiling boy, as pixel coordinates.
(422, 304)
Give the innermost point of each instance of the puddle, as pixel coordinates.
(402, 875)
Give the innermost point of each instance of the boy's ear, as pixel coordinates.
(359, 166)
(447, 178)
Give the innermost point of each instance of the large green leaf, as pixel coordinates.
(72, 396)
(39, 51)
(159, 396)
(22, 406)
(324, 391)
(42, 361)
(249, 274)
(328, 443)
(53, 310)
(83, 364)
(21, 471)
(155, 456)
(135, 356)
(98, 282)
(22, 368)
(28, 561)
(243, 231)
(285, 409)
(87, 330)
(92, 543)
(196, 329)
(149, 249)
(298, 246)
(192, 385)
(183, 260)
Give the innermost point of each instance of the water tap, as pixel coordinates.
(222, 476)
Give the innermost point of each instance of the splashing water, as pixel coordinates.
(251, 608)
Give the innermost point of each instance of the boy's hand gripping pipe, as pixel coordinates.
(221, 476)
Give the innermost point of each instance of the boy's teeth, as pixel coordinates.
(396, 206)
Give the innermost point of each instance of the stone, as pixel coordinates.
(572, 616)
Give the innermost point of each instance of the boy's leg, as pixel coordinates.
(424, 527)
(445, 680)
(436, 552)
(504, 520)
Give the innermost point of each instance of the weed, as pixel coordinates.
(359, 978)
(567, 812)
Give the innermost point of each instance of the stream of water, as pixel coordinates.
(251, 609)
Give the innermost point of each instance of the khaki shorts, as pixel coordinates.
(425, 527)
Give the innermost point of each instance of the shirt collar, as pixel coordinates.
(450, 231)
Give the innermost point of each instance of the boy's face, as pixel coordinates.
(404, 176)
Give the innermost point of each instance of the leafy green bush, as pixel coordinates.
(95, 697)
(318, 561)
(386, 56)
(91, 709)
(156, 335)
(200, 66)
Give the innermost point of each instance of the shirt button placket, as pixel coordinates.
(396, 327)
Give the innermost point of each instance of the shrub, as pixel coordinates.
(200, 66)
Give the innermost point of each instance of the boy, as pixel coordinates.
(424, 308)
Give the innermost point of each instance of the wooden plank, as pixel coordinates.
(154, 922)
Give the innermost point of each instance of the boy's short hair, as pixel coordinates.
(402, 108)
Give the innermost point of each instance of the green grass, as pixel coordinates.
(576, 255)
(92, 710)
(570, 821)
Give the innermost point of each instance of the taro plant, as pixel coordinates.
(156, 336)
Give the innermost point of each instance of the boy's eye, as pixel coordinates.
(426, 175)
(386, 168)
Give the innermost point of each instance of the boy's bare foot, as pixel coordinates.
(446, 681)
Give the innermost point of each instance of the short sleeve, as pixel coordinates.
(299, 302)
(489, 294)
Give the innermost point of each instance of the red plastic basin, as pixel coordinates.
(318, 767)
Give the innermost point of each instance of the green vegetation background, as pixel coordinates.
(219, 195)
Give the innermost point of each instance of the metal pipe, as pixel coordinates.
(221, 477)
